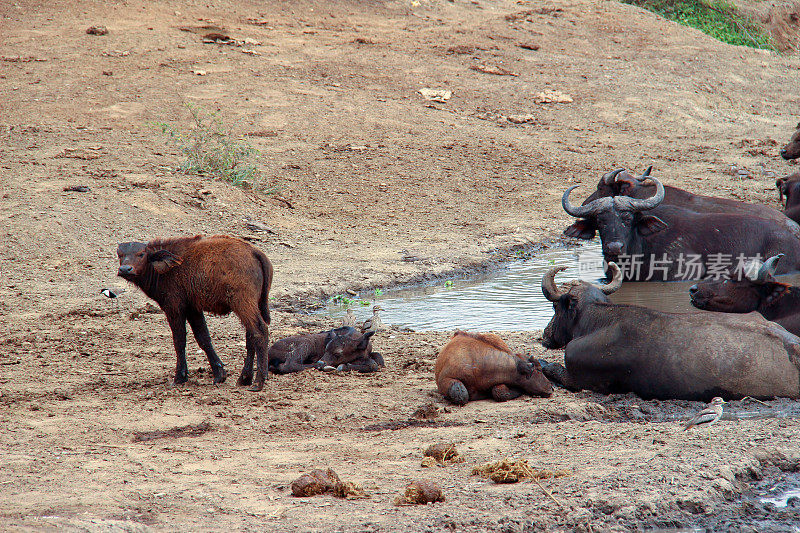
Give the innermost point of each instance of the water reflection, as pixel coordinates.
(510, 299)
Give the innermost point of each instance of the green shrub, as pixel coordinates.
(713, 17)
(211, 150)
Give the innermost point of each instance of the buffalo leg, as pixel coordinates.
(198, 323)
(177, 323)
(255, 326)
(456, 392)
(503, 393)
(557, 374)
(378, 358)
(246, 377)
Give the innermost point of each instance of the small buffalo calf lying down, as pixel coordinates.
(338, 349)
(475, 366)
(219, 274)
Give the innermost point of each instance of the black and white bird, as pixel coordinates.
(709, 415)
(112, 293)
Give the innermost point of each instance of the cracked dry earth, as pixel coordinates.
(367, 172)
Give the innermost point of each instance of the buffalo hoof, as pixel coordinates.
(220, 376)
(180, 379)
(244, 380)
(328, 368)
(341, 368)
(554, 372)
(256, 387)
(458, 393)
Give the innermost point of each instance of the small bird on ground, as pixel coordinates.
(112, 293)
(709, 415)
(373, 323)
(349, 320)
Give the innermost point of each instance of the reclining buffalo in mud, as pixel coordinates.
(612, 348)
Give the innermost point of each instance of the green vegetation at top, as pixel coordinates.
(713, 17)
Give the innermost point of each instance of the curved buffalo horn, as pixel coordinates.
(616, 280)
(646, 173)
(549, 289)
(767, 270)
(636, 204)
(589, 209)
(610, 177)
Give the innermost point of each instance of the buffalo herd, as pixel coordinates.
(743, 340)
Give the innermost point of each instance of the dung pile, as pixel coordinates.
(507, 471)
(320, 482)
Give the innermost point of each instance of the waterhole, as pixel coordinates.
(509, 298)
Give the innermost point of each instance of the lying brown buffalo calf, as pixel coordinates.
(341, 349)
(473, 366)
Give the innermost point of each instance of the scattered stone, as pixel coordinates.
(462, 49)
(521, 119)
(529, 46)
(97, 30)
(426, 412)
(493, 69)
(199, 72)
(552, 97)
(108, 73)
(77, 188)
(420, 492)
(176, 432)
(444, 453)
(349, 490)
(117, 53)
(435, 95)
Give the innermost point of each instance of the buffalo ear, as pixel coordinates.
(650, 224)
(524, 368)
(581, 229)
(163, 260)
(362, 345)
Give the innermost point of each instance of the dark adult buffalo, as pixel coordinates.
(678, 243)
(789, 188)
(792, 148)
(189, 275)
(776, 301)
(620, 183)
(475, 366)
(341, 349)
(612, 348)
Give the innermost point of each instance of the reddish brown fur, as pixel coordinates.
(474, 366)
(219, 274)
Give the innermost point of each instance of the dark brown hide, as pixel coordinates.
(792, 148)
(342, 348)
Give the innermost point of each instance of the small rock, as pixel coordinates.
(552, 97)
(435, 95)
(428, 462)
(521, 119)
(97, 30)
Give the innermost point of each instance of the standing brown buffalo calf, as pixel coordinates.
(473, 366)
(217, 274)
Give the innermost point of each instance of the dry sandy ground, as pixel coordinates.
(367, 171)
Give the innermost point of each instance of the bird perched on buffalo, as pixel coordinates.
(709, 415)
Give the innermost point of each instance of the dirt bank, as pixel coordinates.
(368, 173)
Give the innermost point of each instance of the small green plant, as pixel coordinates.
(212, 150)
(716, 18)
(365, 302)
(448, 284)
(378, 292)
